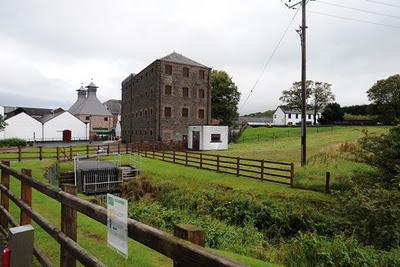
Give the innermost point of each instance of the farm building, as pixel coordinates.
(89, 109)
(286, 116)
(255, 121)
(207, 137)
(22, 125)
(60, 125)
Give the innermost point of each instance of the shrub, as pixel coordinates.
(313, 250)
(12, 142)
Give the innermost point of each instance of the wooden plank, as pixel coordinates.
(190, 233)
(5, 181)
(19, 153)
(26, 196)
(69, 228)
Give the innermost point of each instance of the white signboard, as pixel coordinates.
(117, 224)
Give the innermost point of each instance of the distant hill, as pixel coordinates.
(268, 114)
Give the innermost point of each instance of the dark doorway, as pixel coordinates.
(184, 141)
(196, 140)
(66, 136)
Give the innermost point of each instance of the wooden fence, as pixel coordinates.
(59, 153)
(181, 251)
(264, 170)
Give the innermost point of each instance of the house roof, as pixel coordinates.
(48, 117)
(288, 110)
(89, 105)
(178, 58)
(255, 119)
(33, 112)
(113, 105)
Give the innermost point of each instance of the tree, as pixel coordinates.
(332, 112)
(385, 94)
(321, 96)
(225, 98)
(319, 92)
(2, 123)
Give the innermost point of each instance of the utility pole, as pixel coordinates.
(302, 33)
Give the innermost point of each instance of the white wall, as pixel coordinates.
(205, 137)
(66, 121)
(2, 114)
(279, 117)
(23, 126)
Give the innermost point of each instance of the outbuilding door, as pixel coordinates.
(66, 136)
(196, 141)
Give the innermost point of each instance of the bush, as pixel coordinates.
(313, 250)
(12, 142)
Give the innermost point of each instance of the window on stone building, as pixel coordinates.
(151, 132)
(201, 114)
(140, 113)
(185, 112)
(105, 118)
(168, 90)
(87, 118)
(168, 69)
(145, 132)
(145, 112)
(151, 111)
(185, 72)
(201, 93)
(167, 112)
(185, 92)
(202, 74)
(146, 94)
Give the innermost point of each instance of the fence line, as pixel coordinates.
(164, 243)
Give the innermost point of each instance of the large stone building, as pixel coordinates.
(89, 109)
(162, 100)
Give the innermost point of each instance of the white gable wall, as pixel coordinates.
(53, 128)
(279, 117)
(23, 126)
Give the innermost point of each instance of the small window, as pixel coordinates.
(185, 92)
(145, 132)
(145, 112)
(140, 113)
(146, 94)
(297, 116)
(87, 118)
(185, 72)
(168, 90)
(185, 112)
(202, 74)
(140, 132)
(105, 118)
(151, 111)
(167, 112)
(309, 116)
(289, 116)
(151, 132)
(168, 69)
(215, 138)
(201, 93)
(201, 113)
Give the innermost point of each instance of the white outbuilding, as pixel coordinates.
(56, 125)
(207, 137)
(22, 126)
(286, 116)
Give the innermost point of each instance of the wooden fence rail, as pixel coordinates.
(177, 249)
(264, 170)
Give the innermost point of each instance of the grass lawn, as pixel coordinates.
(93, 235)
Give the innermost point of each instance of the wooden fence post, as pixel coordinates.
(108, 149)
(291, 174)
(217, 163)
(201, 161)
(327, 183)
(87, 151)
(68, 227)
(262, 170)
(40, 153)
(58, 153)
(174, 156)
(145, 153)
(237, 166)
(70, 152)
(186, 158)
(19, 153)
(119, 148)
(26, 196)
(98, 149)
(153, 153)
(190, 233)
(163, 155)
(5, 180)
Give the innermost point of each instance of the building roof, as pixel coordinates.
(255, 120)
(178, 58)
(48, 117)
(90, 104)
(113, 105)
(33, 112)
(81, 98)
(288, 110)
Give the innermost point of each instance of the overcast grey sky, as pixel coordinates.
(49, 47)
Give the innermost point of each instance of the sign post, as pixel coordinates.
(117, 224)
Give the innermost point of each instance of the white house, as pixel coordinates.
(207, 137)
(22, 126)
(55, 124)
(286, 116)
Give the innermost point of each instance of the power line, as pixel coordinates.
(271, 56)
(383, 3)
(358, 20)
(360, 10)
